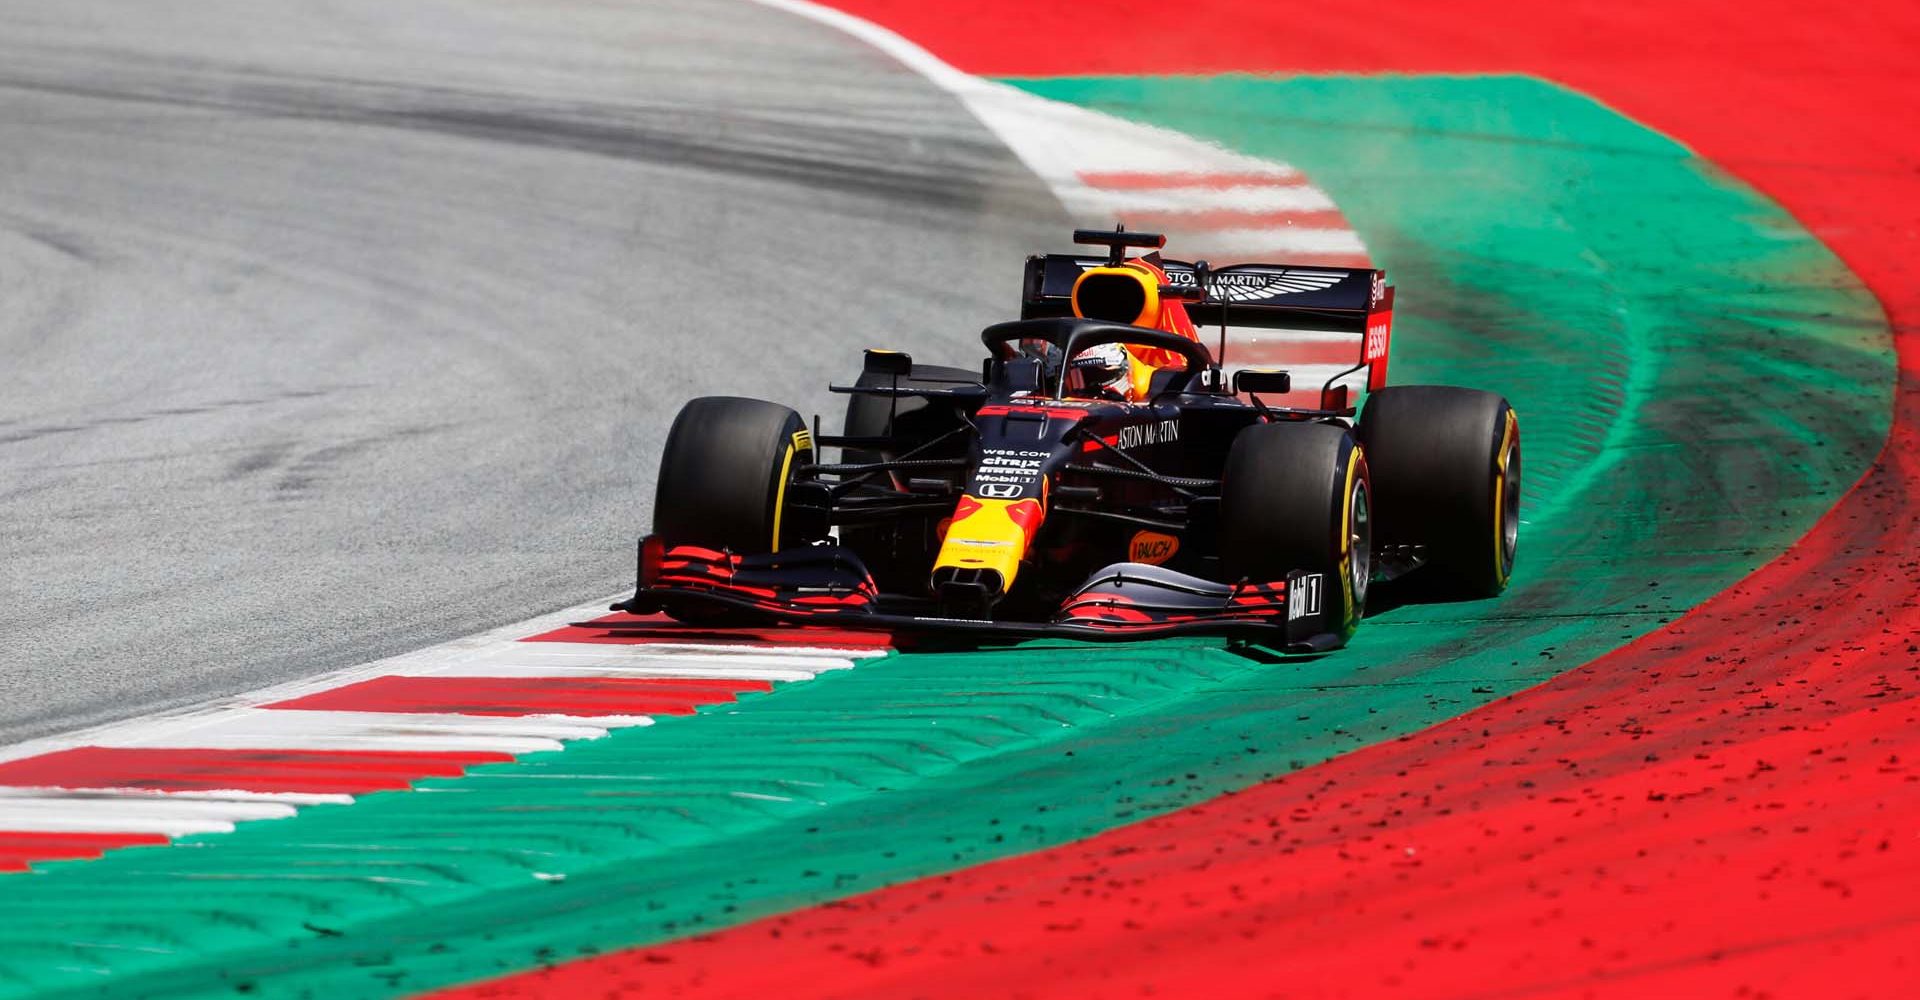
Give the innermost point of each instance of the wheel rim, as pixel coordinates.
(1359, 544)
(1509, 508)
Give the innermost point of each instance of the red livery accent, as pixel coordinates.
(1050, 412)
(1379, 343)
(799, 582)
(1102, 612)
(1027, 515)
(1110, 609)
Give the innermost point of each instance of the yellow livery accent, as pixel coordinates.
(802, 441)
(1500, 500)
(1140, 374)
(1152, 547)
(991, 535)
(1117, 295)
(1346, 536)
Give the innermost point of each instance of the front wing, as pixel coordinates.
(828, 585)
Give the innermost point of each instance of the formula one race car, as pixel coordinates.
(1047, 494)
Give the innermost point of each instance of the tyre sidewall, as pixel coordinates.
(1287, 495)
(1439, 455)
(724, 472)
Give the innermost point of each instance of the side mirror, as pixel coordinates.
(1016, 375)
(1257, 380)
(898, 364)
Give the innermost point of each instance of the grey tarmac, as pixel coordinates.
(334, 330)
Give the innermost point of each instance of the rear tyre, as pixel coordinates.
(1446, 467)
(1297, 496)
(724, 474)
(900, 556)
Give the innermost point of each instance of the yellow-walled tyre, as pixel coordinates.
(724, 474)
(1446, 475)
(1298, 496)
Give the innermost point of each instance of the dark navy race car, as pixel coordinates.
(1098, 475)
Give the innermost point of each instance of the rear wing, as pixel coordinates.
(1346, 300)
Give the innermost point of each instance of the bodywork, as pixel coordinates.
(1024, 511)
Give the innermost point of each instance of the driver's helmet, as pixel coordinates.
(1101, 370)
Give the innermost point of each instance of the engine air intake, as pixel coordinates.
(1117, 295)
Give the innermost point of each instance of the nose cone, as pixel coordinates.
(982, 550)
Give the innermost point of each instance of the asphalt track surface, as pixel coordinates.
(335, 330)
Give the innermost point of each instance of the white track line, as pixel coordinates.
(1279, 241)
(95, 823)
(296, 729)
(90, 813)
(765, 656)
(1260, 198)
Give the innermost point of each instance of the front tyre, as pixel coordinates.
(1446, 465)
(724, 474)
(1298, 496)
